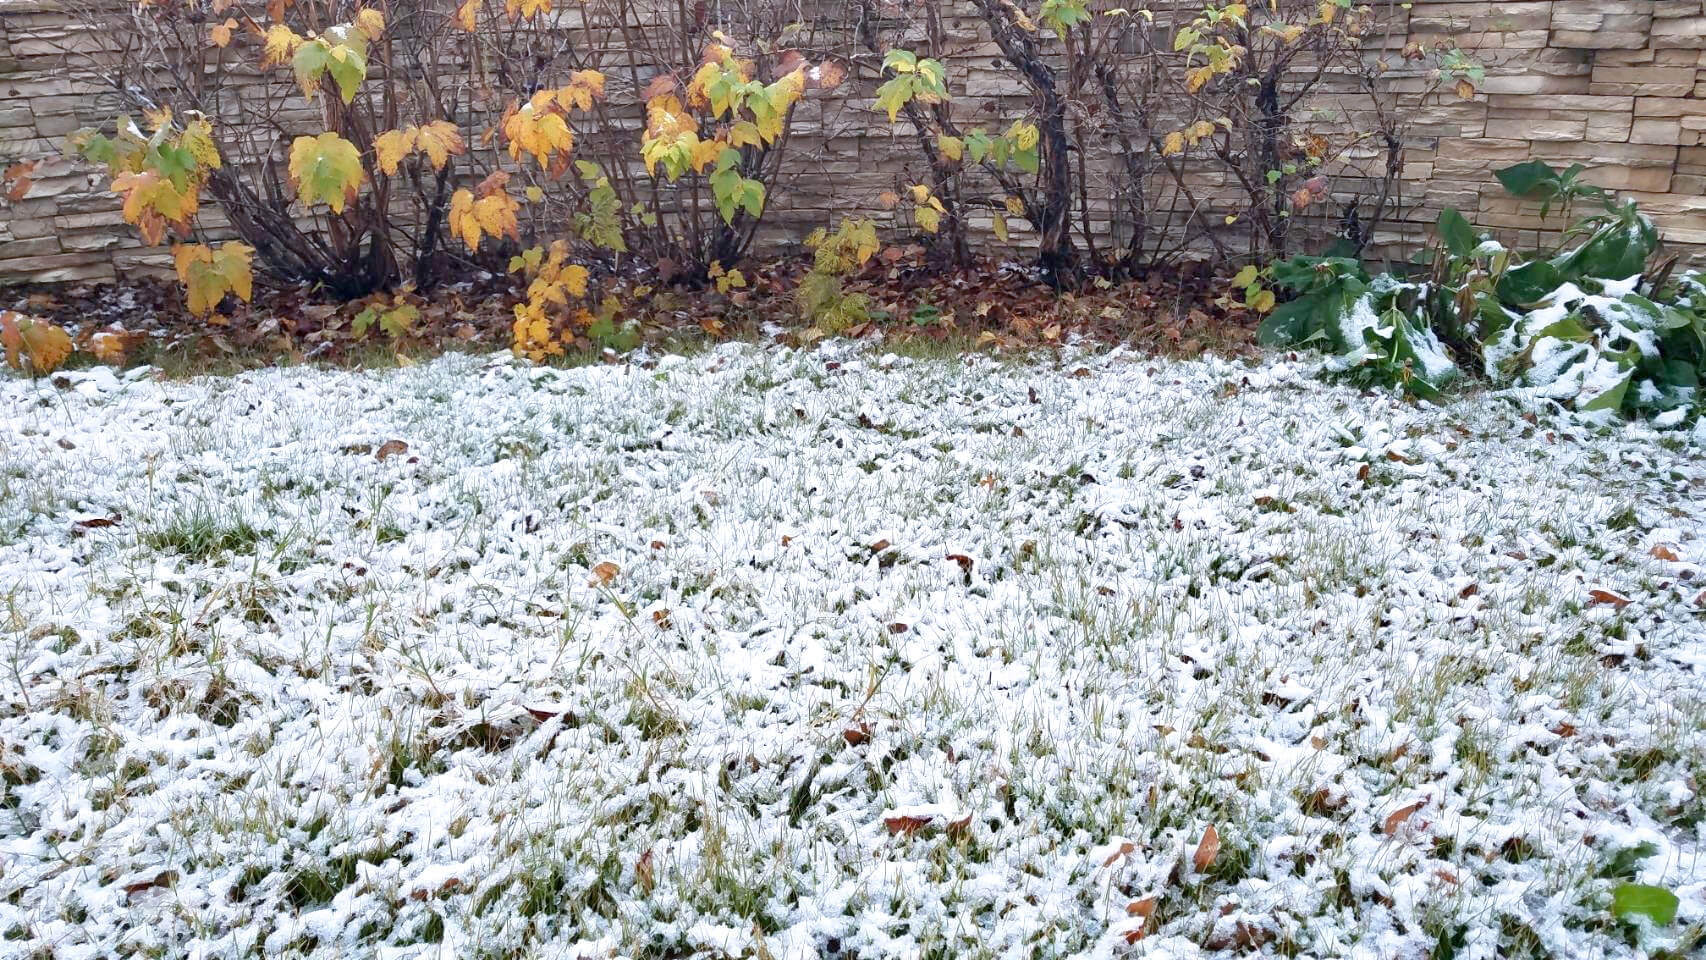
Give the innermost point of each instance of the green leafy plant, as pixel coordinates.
(1585, 324)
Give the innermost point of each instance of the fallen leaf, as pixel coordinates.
(857, 734)
(906, 825)
(1606, 596)
(1125, 850)
(1144, 908)
(390, 448)
(1400, 816)
(1663, 552)
(1207, 850)
(603, 573)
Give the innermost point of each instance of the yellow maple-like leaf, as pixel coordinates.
(491, 214)
(466, 13)
(197, 138)
(1173, 144)
(1195, 79)
(526, 9)
(370, 22)
(744, 133)
(439, 141)
(704, 153)
(537, 132)
(698, 89)
(1199, 130)
(666, 117)
(208, 274)
(34, 342)
(585, 86)
(390, 147)
(326, 168)
(153, 203)
(574, 278)
(281, 42)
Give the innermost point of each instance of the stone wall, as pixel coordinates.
(1617, 85)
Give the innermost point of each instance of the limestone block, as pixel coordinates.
(1659, 130)
(1651, 81)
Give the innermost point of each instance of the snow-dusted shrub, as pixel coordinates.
(1586, 324)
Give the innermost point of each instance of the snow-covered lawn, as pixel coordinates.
(771, 654)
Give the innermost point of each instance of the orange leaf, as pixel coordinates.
(906, 825)
(603, 573)
(1400, 816)
(1606, 596)
(1207, 850)
(1663, 552)
(1144, 908)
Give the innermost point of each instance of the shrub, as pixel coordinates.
(1587, 323)
(495, 125)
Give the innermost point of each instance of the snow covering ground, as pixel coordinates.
(775, 654)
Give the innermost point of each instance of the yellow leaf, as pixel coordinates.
(370, 22)
(1465, 90)
(526, 9)
(951, 147)
(27, 340)
(920, 193)
(574, 278)
(1246, 276)
(466, 13)
(928, 218)
(1174, 144)
(281, 42)
(326, 168)
(1016, 206)
(1263, 301)
(534, 193)
(439, 141)
(1001, 227)
(208, 274)
(390, 147)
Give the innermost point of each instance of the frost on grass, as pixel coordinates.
(792, 655)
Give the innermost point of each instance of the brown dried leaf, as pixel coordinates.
(906, 825)
(603, 573)
(1400, 816)
(1144, 908)
(1606, 596)
(1207, 850)
(390, 448)
(1663, 552)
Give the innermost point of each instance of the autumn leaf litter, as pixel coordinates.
(828, 653)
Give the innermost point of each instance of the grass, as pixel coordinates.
(362, 703)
